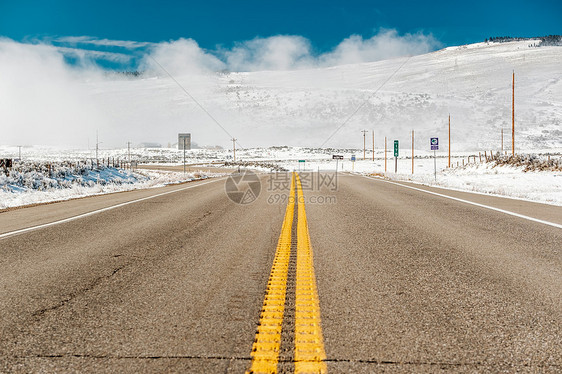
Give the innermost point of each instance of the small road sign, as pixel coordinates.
(352, 157)
(434, 144)
(302, 160)
(396, 148)
(337, 157)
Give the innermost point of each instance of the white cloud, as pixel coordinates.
(286, 52)
(128, 44)
(283, 52)
(180, 57)
(42, 99)
(386, 44)
(86, 55)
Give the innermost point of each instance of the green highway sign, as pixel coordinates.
(302, 160)
(396, 148)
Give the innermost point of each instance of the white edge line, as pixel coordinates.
(32, 228)
(471, 202)
(473, 192)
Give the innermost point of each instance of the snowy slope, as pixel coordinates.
(304, 107)
(44, 101)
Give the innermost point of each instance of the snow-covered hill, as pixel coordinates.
(303, 107)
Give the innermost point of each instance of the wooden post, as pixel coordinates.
(373, 131)
(513, 115)
(449, 140)
(385, 154)
(364, 144)
(412, 151)
(480, 156)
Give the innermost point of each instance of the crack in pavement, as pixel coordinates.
(248, 358)
(41, 312)
(440, 363)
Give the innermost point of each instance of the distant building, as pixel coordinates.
(184, 138)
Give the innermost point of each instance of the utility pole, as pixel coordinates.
(364, 144)
(385, 154)
(97, 150)
(19, 146)
(234, 148)
(129, 153)
(373, 145)
(184, 156)
(513, 115)
(412, 151)
(449, 162)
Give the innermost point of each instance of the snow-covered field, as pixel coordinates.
(483, 177)
(35, 182)
(474, 176)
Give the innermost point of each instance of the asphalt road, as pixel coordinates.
(407, 281)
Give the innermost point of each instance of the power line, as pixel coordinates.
(193, 98)
(364, 144)
(365, 102)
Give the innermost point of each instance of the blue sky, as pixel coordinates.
(221, 24)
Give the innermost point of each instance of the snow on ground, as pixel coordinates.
(39, 182)
(472, 83)
(481, 177)
(505, 181)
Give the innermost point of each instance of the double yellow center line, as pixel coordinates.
(309, 354)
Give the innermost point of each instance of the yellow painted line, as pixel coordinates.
(267, 343)
(309, 345)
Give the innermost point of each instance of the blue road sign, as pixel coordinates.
(434, 144)
(352, 157)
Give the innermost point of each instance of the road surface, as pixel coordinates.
(182, 279)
